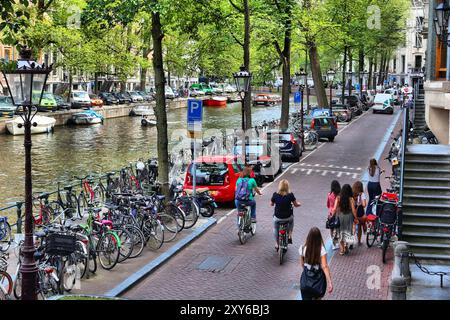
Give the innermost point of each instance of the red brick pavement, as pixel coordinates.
(253, 270)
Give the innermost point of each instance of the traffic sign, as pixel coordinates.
(195, 111)
(297, 97)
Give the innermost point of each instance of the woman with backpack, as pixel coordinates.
(346, 211)
(283, 200)
(361, 203)
(316, 275)
(331, 201)
(373, 186)
(245, 188)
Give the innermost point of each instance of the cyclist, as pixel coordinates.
(283, 200)
(245, 188)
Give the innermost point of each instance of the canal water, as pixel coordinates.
(80, 150)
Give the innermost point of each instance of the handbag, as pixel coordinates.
(313, 282)
(332, 222)
(350, 239)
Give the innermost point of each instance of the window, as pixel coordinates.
(7, 55)
(418, 62)
(403, 63)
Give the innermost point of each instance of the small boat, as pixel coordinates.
(41, 124)
(141, 111)
(264, 100)
(148, 121)
(215, 102)
(87, 117)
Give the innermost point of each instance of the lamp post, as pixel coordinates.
(242, 80)
(442, 29)
(330, 74)
(26, 81)
(303, 84)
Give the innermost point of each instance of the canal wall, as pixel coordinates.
(108, 112)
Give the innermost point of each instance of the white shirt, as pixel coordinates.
(360, 199)
(376, 175)
(302, 251)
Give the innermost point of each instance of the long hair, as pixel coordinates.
(372, 166)
(335, 187)
(313, 245)
(246, 172)
(345, 196)
(283, 187)
(357, 189)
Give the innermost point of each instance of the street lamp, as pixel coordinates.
(26, 80)
(242, 80)
(330, 74)
(303, 84)
(442, 28)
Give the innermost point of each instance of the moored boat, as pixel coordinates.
(148, 121)
(87, 117)
(215, 101)
(40, 124)
(263, 99)
(141, 111)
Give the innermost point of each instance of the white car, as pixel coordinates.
(135, 97)
(383, 102)
(80, 99)
(169, 92)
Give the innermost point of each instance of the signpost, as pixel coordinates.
(194, 127)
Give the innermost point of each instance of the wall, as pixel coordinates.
(437, 109)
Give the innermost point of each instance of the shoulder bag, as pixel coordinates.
(333, 222)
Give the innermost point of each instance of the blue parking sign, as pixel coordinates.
(298, 97)
(195, 111)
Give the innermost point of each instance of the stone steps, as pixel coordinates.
(424, 217)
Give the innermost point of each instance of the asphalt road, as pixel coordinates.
(217, 266)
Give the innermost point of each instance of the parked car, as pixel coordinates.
(325, 126)
(145, 95)
(6, 105)
(61, 103)
(342, 112)
(80, 99)
(288, 142)
(383, 103)
(96, 101)
(123, 97)
(169, 92)
(260, 152)
(217, 173)
(48, 102)
(108, 98)
(135, 96)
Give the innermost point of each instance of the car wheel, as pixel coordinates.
(270, 178)
(374, 111)
(297, 158)
(331, 139)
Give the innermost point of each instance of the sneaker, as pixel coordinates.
(253, 220)
(290, 241)
(351, 247)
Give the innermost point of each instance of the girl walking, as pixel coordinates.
(361, 203)
(346, 210)
(331, 201)
(373, 186)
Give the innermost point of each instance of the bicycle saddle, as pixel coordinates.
(107, 223)
(68, 188)
(110, 174)
(44, 195)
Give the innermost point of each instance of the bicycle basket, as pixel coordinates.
(60, 244)
(388, 213)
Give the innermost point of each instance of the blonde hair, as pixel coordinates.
(283, 187)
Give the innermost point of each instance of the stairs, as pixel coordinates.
(426, 202)
(419, 112)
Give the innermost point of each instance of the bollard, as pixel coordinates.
(398, 288)
(401, 253)
(19, 217)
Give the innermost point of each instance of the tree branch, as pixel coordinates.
(241, 10)
(237, 40)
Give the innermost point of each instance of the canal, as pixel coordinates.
(80, 150)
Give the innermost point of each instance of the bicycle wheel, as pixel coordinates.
(191, 212)
(99, 195)
(371, 234)
(6, 283)
(384, 245)
(92, 261)
(70, 273)
(172, 210)
(170, 225)
(207, 210)
(138, 240)
(5, 235)
(82, 205)
(155, 233)
(126, 244)
(81, 258)
(242, 236)
(108, 251)
(17, 286)
(281, 251)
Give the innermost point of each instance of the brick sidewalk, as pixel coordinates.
(217, 267)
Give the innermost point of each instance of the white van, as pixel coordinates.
(80, 99)
(384, 103)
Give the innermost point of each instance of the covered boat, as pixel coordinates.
(40, 124)
(215, 102)
(141, 111)
(87, 117)
(148, 121)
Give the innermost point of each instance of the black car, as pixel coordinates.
(61, 103)
(326, 127)
(123, 97)
(108, 98)
(288, 142)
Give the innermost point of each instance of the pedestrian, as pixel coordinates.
(361, 203)
(316, 275)
(331, 201)
(373, 185)
(283, 200)
(346, 210)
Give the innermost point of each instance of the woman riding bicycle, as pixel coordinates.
(248, 194)
(283, 200)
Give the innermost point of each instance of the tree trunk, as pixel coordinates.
(285, 57)
(375, 66)
(70, 85)
(143, 79)
(248, 95)
(319, 86)
(369, 79)
(96, 83)
(350, 68)
(160, 108)
(344, 70)
(361, 68)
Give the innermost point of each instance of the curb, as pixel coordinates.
(156, 263)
